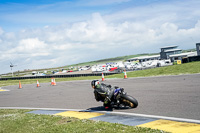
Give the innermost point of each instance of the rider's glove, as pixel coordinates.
(116, 87)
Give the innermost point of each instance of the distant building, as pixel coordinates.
(172, 53)
(195, 57)
(144, 58)
(169, 50)
(198, 49)
(182, 56)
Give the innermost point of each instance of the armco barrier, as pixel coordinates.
(58, 76)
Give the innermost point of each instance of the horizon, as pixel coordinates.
(89, 62)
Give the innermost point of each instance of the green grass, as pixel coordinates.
(44, 80)
(17, 121)
(187, 68)
(102, 61)
(115, 59)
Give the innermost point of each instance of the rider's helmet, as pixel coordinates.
(94, 83)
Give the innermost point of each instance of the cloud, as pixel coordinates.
(1, 31)
(30, 46)
(155, 14)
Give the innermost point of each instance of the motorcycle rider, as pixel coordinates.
(102, 92)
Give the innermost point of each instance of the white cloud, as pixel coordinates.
(31, 46)
(10, 36)
(197, 25)
(182, 13)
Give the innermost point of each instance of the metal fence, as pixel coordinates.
(58, 76)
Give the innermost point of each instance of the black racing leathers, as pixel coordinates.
(103, 92)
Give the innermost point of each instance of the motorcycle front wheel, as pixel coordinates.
(129, 101)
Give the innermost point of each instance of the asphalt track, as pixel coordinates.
(171, 96)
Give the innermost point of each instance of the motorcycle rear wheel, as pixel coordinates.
(130, 101)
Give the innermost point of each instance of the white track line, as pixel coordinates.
(4, 89)
(117, 113)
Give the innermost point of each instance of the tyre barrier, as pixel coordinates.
(58, 76)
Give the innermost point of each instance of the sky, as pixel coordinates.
(54, 33)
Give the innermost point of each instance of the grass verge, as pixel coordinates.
(44, 80)
(187, 68)
(18, 121)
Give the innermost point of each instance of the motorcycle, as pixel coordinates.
(122, 100)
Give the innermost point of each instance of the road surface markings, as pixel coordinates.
(123, 119)
(80, 115)
(131, 120)
(3, 90)
(173, 126)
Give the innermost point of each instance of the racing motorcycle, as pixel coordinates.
(122, 100)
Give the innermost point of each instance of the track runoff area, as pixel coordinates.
(170, 124)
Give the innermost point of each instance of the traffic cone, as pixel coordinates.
(52, 82)
(38, 85)
(125, 75)
(20, 85)
(103, 77)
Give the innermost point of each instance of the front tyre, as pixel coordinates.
(129, 101)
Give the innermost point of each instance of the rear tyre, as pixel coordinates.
(130, 101)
